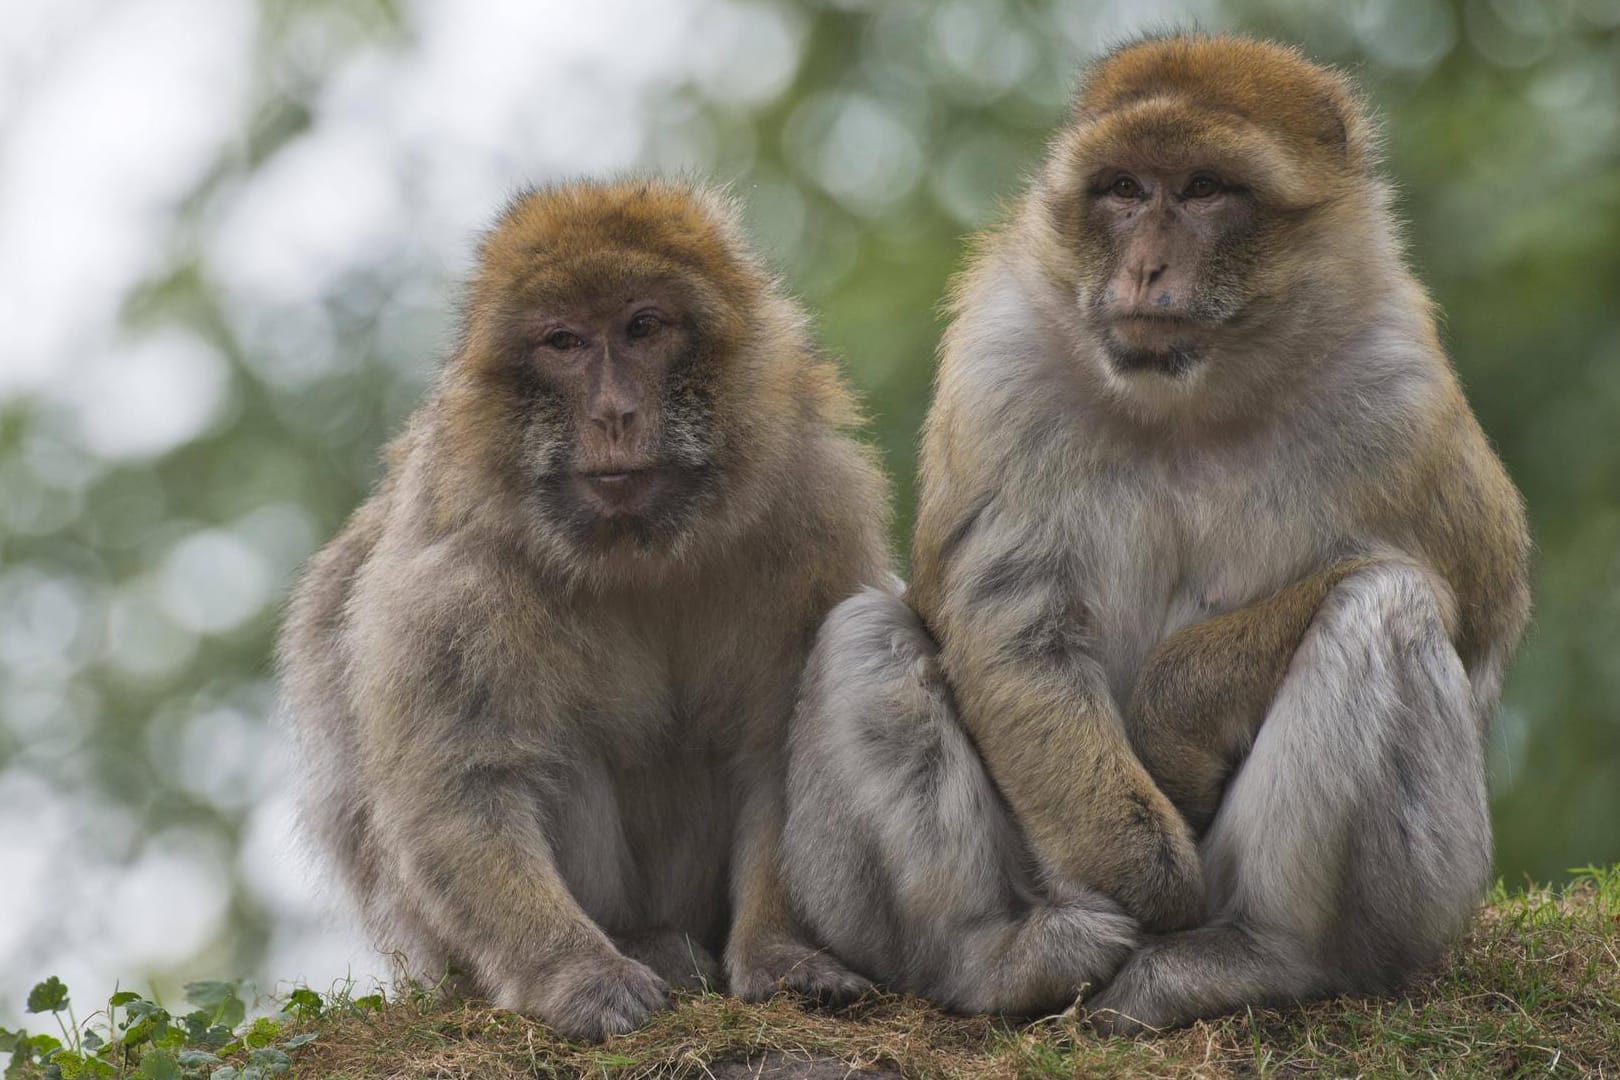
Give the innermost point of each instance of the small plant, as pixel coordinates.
(134, 1036)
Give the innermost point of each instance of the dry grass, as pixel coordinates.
(1533, 991)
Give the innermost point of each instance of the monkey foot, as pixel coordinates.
(797, 969)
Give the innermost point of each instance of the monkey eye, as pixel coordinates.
(562, 340)
(1201, 187)
(643, 325)
(1125, 187)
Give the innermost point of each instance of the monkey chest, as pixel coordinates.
(1191, 558)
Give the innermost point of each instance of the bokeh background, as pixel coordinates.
(230, 236)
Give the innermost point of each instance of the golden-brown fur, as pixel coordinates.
(1198, 481)
(545, 742)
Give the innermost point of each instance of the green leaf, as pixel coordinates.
(225, 1072)
(69, 1065)
(230, 1013)
(371, 1002)
(196, 1059)
(152, 1025)
(9, 1039)
(123, 997)
(91, 1041)
(44, 1045)
(210, 993)
(270, 1060)
(159, 1065)
(48, 996)
(300, 1040)
(263, 1032)
(304, 1003)
(217, 999)
(196, 1023)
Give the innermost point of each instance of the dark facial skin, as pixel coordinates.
(617, 374)
(1170, 240)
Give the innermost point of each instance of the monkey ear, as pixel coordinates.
(1347, 127)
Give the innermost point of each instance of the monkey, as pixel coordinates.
(1215, 576)
(541, 679)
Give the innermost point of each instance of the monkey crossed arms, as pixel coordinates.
(608, 688)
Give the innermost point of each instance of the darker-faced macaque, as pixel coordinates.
(542, 679)
(1216, 579)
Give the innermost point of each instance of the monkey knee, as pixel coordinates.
(871, 691)
(870, 643)
(1393, 597)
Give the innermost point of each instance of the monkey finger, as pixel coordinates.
(801, 970)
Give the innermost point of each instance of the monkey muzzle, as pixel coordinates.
(1156, 344)
(616, 492)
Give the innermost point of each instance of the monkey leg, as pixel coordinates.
(1203, 692)
(768, 950)
(1354, 841)
(901, 857)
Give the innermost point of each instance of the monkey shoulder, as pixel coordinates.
(830, 516)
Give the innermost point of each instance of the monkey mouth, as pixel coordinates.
(1151, 326)
(621, 491)
(1172, 359)
(1155, 343)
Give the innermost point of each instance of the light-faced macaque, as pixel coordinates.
(1215, 580)
(542, 678)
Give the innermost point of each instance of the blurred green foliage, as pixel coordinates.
(904, 127)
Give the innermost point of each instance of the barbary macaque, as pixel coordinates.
(542, 678)
(1215, 582)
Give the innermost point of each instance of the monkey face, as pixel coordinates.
(613, 408)
(612, 368)
(1163, 252)
(619, 433)
(1190, 210)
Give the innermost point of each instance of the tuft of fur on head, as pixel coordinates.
(1304, 124)
(1293, 135)
(754, 368)
(585, 239)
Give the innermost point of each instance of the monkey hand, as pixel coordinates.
(592, 995)
(784, 964)
(1153, 869)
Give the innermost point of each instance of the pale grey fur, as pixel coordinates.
(901, 856)
(1354, 842)
(1353, 839)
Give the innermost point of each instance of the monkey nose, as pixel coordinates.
(1145, 289)
(615, 423)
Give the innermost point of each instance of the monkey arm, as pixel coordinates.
(1039, 711)
(1203, 692)
(767, 951)
(454, 759)
(471, 855)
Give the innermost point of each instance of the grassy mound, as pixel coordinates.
(1534, 990)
